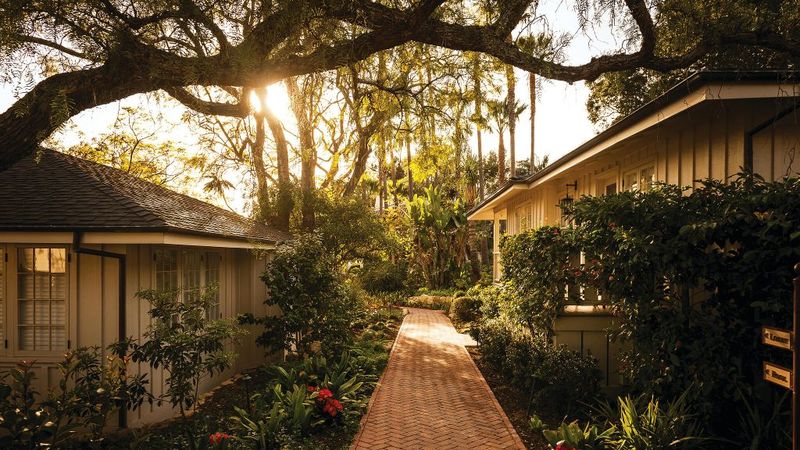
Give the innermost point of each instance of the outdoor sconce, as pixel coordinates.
(567, 200)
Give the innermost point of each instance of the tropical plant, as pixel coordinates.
(645, 422)
(186, 343)
(571, 436)
(440, 238)
(260, 433)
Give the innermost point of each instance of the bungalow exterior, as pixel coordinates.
(78, 240)
(711, 125)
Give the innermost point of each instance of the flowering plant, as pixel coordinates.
(218, 439)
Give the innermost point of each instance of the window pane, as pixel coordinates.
(42, 313)
(26, 338)
(191, 275)
(58, 288)
(41, 285)
(26, 312)
(58, 313)
(41, 338)
(59, 338)
(41, 260)
(647, 177)
(25, 286)
(58, 260)
(212, 279)
(25, 260)
(166, 267)
(631, 181)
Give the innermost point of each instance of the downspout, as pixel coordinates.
(122, 320)
(748, 135)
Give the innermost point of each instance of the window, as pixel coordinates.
(212, 279)
(523, 221)
(191, 274)
(188, 273)
(166, 270)
(41, 299)
(641, 179)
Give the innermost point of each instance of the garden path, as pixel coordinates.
(432, 395)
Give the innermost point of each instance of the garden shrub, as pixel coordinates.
(709, 268)
(377, 276)
(441, 303)
(465, 309)
(90, 390)
(558, 378)
(316, 304)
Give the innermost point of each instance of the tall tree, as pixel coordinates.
(532, 90)
(511, 100)
(100, 51)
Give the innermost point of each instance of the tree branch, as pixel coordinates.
(207, 107)
(51, 44)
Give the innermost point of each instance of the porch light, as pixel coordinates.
(567, 200)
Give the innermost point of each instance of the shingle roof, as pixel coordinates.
(51, 191)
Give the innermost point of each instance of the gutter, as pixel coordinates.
(749, 134)
(122, 319)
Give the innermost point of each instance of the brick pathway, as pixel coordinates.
(432, 395)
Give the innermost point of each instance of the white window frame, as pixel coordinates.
(11, 307)
(638, 173)
(181, 254)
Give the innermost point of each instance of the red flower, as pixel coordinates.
(324, 394)
(311, 388)
(332, 407)
(562, 446)
(217, 438)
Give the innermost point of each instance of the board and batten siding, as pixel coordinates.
(94, 311)
(703, 142)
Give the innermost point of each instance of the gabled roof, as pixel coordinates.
(51, 191)
(680, 90)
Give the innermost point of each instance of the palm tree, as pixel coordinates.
(500, 113)
(532, 88)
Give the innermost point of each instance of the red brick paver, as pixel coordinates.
(432, 395)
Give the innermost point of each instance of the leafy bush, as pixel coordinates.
(465, 309)
(377, 276)
(427, 302)
(88, 392)
(315, 303)
(537, 266)
(557, 377)
(187, 344)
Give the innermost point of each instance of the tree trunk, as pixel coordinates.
(408, 164)
(479, 118)
(532, 87)
(308, 151)
(285, 203)
(512, 119)
(501, 157)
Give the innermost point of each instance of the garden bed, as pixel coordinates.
(217, 409)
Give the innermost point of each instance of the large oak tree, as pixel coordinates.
(100, 51)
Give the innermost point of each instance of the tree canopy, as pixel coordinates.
(93, 52)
